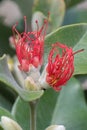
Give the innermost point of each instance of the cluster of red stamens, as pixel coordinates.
(60, 65)
(30, 45)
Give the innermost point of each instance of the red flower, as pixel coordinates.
(29, 46)
(60, 65)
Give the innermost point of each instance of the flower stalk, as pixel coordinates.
(33, 113)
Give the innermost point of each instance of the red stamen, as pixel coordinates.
(25, 23)
(37, 25)
(45, 25)
(15, 30)
(78, 51)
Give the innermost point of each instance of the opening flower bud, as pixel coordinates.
(56, 127)
(30, 84)
(9, 124)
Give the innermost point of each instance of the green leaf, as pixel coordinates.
(56, 17)
(70, 3)
(21, 113)
(71, 108)
(5, 33)
(25, 7)
(45, 109)
(7, 78)
(5, 103)
(1, 128)
(81, 59)
(76, 14)
(74, 36)
(4, 112)
(7, 97)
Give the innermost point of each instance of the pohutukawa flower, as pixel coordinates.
(60, 65)
(30, 45)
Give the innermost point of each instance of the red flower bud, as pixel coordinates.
(30, 46)
(60, 65)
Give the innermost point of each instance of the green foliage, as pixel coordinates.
(4, 112)
(76, 14)
(70, 3)
(45, 109)
(1, 128)
(5, 103)
(67, 108)
(25, 7)
(5, 33)
(71, 108)
(21, 113)
(7, 78)
(56, 17)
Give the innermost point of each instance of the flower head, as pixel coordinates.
(60, 65)
(30, 46)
